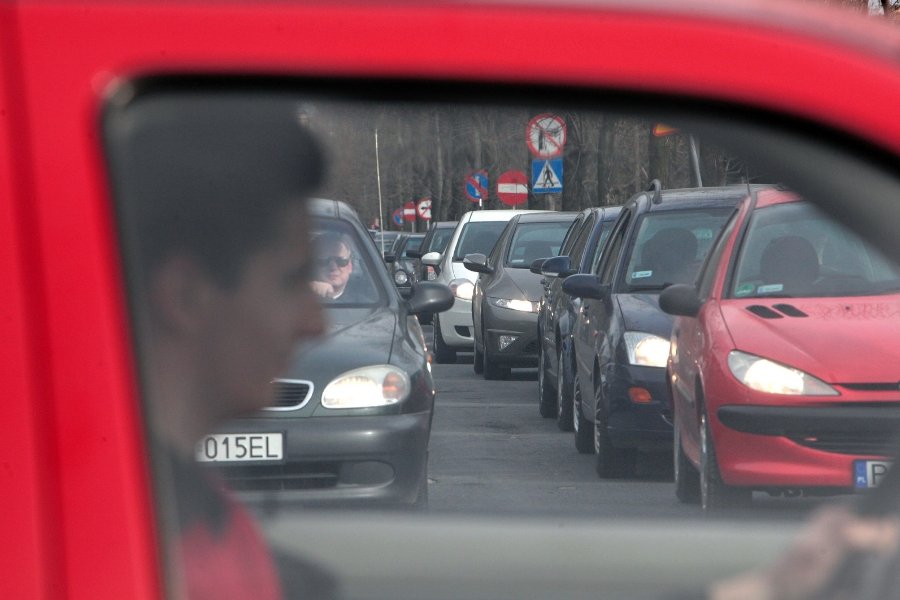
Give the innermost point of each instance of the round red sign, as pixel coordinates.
(512, 188)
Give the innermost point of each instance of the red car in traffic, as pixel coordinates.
(783, 366)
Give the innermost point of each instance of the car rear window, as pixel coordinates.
(479, 237)
(532, 241)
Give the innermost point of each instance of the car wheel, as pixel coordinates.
(584, 430)
(564, 378)
(714, 493)
(443, 353)
(687, 479)
(546, 394)
(491, 370)
(478, 363)
(612, 462)
(421, 503)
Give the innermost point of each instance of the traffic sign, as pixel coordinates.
(512, 188)
(423, 208)
(477, 186)
(397, 216)
(409, 211)
(546, 135)
(546, 176)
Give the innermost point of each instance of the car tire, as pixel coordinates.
(715, 494)
(491, 370)
(478, 362)
(611, 462)
(584, 429)
(687, 478)
(421, 503)
(443, 354)
(546, 394)
(564, 377)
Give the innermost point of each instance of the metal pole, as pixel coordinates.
(378, 178)
(695, 160)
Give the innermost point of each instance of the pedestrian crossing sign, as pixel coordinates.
(546, 176)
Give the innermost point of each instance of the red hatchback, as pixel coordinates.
(784, 363)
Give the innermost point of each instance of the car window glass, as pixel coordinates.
(478, 237)
(440, 239)
(581, 241)
(532, 241)
(670, 246)
(708, 274)
(343, 266)
(610, 258)
(793, 250)
(414, 243)
(600, 245)
(572, 235)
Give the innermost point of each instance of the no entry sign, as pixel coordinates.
(546, 135)
(512, 188)
(409, 211)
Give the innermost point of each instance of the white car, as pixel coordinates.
(476, 232)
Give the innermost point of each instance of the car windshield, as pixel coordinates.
(439, 240)
(532, 241)
(670, 247)
(478, 237)
(413, 243)
(793, 250)
(344, 266)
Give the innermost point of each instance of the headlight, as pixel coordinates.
(519, 305)
(401, 278)
(763, 375)
(462, 288)
(646, 349)
(379, 385)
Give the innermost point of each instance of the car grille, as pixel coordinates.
(295, 476)
(861, 443)
(291, 394)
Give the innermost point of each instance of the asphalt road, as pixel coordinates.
(492, 453)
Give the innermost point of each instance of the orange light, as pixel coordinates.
(639, 395)
(661, 130)
(393, 387)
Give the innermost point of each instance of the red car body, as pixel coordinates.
(772, 440)
(79, 519)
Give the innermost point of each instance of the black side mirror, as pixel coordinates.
(558, 266)
(586, 286)
(389, 257)
(536, 266)
(681, 300)
(429, 297)
(477, 263)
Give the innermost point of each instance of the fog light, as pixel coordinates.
(505, 340)
(639, 395)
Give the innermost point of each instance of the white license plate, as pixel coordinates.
(869, 473)
(241, 447)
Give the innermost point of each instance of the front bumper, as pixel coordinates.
(523, 351)
(642, 425)
(336, 460)
(801, 446)
(456, 325)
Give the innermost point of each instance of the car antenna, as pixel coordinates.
(656, 189)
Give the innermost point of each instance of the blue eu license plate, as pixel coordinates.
(869, 473)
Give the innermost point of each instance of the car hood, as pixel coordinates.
(355, 338)
(641, 312)
(839, 340)
(517, 284)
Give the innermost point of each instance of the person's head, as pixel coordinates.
(213, 196)
(334, 263)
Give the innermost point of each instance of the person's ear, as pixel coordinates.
(181, 292)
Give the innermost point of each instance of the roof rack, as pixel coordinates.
(656, 190)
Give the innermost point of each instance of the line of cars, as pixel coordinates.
(739, 327)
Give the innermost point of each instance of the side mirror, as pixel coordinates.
(536, 265)
(558, 266)
(432, 259)
(429, 297)
(389, 257)
(681, 300)
(477, 263)
(586, 286)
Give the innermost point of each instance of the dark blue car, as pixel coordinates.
(558, 310)
(620, 341)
